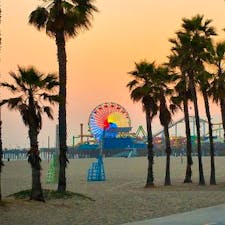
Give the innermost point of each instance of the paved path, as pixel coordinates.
(205, 216)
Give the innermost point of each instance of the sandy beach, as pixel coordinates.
(121, 198)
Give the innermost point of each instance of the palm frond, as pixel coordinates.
(39, 17)
(220, 50)
(30, 76)
(17, 79)
(50, 98)
(11, 87)
(48, 111)
(164, 113)
(32, 86)
(85, 9)
(25, 113)
(12, 103)
(132, 84)
(174, 107)
(70, 17)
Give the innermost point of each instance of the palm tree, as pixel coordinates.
(195, 38)
(218, 84)
(162, 80)
(204, 84)
(181, 99)
(142, 88)
(62, 20)
(32, 90)
(165, 118)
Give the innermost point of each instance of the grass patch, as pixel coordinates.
(51, 194)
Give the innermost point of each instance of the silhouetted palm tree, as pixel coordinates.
(195, 38)
(181, 99)
(218, 84)
(32, 89)
(162, 80)
(61, 20)
(142, 89)
(204, 83)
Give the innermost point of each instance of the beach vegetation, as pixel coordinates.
(62, 20)
(31, 91)
(163, 78)
(181, 98)
(142, 88)
(50, 194)
(218, 81)
(193, 43)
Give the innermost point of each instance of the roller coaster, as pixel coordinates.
(203, 126)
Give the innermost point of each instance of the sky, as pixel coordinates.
(123, 32)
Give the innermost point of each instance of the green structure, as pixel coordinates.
(52, 175)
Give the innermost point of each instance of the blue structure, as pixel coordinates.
(123, 143)
(96, 172)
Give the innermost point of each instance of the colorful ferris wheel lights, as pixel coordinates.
(107, 116)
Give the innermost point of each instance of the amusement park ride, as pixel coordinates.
(107, 122)
(110, 127)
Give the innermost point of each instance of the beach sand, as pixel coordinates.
(120, 199)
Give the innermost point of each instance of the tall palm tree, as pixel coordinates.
(218, 84)
(62, 19)
(181, 99)
(195, 38)
(165, 118)
(204, 79)
(142, 88)
(162, 79)
(32, 90)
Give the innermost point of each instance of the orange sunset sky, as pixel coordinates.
(123, 32)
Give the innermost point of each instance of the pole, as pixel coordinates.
(102, 143)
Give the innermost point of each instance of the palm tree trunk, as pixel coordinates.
(150, 176)
(207, 110)
(197, 121)
(0, 186)
(1, 153)
(168, 153)
(188, 175)
(61, 54)
(222, 108)
(34, 160)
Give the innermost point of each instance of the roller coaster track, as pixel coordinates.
(177, 122)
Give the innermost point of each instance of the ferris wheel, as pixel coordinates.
(106, 118)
